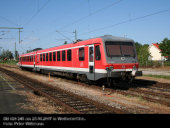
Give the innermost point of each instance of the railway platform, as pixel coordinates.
(9, 99)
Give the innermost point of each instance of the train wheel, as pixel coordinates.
(130, 79)
(83, 78)
(90, 82)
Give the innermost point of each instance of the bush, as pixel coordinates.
(167, 63)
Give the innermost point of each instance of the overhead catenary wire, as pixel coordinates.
(38, 11)
(126, 21)
(9, 21)
(3, 33)
(92, 13)
(64, 36)
(89, 5)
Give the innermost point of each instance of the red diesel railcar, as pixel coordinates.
(105, 57)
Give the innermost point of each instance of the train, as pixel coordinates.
(104, 59)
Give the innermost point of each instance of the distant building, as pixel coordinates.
(155, 53)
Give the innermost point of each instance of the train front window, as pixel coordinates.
(114, 49)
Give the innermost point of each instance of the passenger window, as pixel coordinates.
(81, 54)
(91, 54)
(46, 56)
(54, 56)
(50, 56)
(58, 56)
(40, 57)
(97, 53)
(43, 56)
(63, 55)
(69, 55)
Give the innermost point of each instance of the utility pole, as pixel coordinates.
(15, 52)
(0, 50)
(13, 28)
(19, 30)
(75, 35)
(19, 34)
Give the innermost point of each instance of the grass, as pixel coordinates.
(159, 76)
(129, 96)
(10, 62)
(141, 98)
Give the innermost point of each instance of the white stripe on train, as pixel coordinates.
(73, 68)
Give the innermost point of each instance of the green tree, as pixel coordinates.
(143, 53)
(165, 47)
(138, 46)
(6, 54)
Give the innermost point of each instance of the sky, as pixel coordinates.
(49, 23)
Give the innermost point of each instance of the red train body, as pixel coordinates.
(106, 57)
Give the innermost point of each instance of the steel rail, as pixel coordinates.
(87, 106)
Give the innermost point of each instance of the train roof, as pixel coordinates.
(115, 38)
(28, 54)
(82, 42)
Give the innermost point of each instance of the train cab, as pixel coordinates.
(120, 58)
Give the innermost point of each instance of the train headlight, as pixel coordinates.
(107, 68)
(111, 68)
(134, 68)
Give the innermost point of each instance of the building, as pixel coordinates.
(155, 53)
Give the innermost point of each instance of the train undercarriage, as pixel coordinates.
(109, 80)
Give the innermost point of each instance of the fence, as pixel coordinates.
(151, 63)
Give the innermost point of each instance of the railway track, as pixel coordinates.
(144, 89)
(147, 91)
(71, 102)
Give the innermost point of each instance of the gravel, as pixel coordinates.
(130, 104)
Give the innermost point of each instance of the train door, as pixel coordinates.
(37, 61)
(91, 62)
(34, 61)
